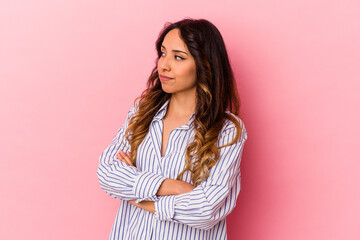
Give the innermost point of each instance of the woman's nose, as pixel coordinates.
(164, 64)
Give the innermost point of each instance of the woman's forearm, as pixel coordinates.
(168, 187)
(146, 205)
(174, 187)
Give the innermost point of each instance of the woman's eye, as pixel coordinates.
(162, 54)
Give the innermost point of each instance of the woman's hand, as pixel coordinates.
(125, 157)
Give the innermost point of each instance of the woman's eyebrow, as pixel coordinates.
(175, 50)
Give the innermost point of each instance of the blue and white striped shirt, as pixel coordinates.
(199, 214)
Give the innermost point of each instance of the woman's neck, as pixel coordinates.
(182, 105)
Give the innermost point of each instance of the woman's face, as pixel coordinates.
(176, 66)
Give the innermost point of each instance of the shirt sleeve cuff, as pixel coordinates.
(146, 185)
(164, 208)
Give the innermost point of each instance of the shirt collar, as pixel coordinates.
(162, 111)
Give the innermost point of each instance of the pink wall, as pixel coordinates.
(70, 70)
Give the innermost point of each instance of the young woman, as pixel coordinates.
(175, 163)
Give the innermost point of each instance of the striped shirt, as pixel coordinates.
(199, 214)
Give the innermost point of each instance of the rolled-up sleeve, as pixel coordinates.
(213, 199)
(120, 180)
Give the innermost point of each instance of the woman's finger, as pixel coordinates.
(121, 158)
(118, 155)
(126, 158)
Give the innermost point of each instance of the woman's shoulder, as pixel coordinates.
(229, 125)
(133, 109)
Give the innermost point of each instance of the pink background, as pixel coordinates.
(70, 71)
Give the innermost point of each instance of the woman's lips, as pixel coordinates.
(164, 79)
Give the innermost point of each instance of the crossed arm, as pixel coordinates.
(168, 187)
(169, 199)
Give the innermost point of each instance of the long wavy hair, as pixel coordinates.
(216, 92)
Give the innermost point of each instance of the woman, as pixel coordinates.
(175, 163)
